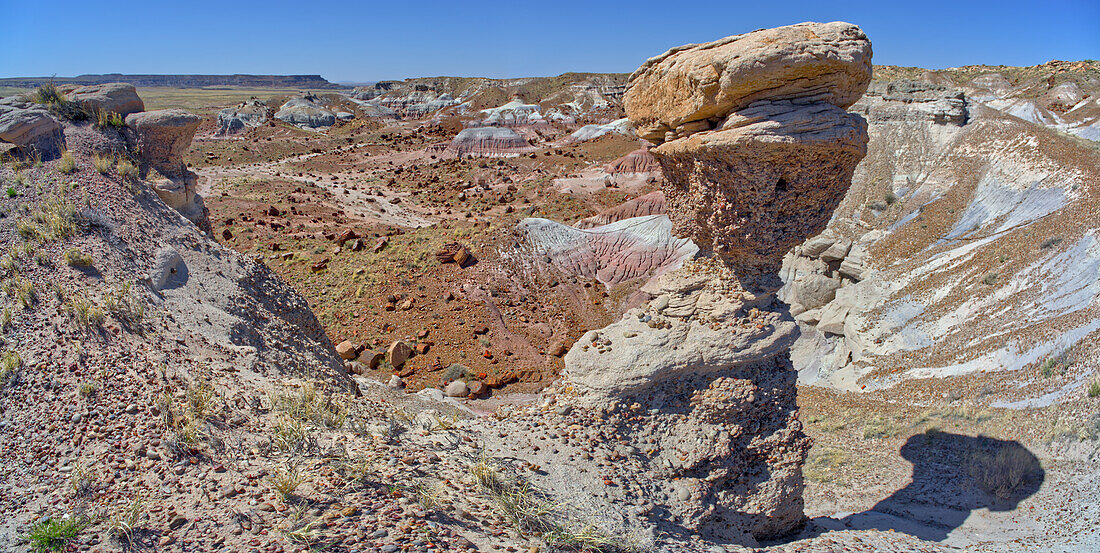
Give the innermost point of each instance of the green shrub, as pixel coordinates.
(990, 278)
(54, 535)
(1094, 388)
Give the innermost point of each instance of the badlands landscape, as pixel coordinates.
(758, 295)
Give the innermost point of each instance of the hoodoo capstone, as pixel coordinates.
(753, 135)
(757, 149)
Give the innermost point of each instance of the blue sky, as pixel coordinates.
(366, 41)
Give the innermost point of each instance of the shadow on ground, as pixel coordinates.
(953, 475)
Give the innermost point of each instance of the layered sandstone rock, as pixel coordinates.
(612, 253)
(307, 111)
(758, 150)
(488, 142)
(638, 161)
(648, 204)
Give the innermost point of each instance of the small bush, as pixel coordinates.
(47, 93)
(74, 257)
(1001, 474)
(1050, 243)
(891, 198)
(85, 312)
(54, 535)
(990, 278)
(1094, 388)
(455, 372)
(103, 164)
(67, 164)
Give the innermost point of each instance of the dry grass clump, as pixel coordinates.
(103, 164)
(75, 257)
(1094, 388)
(127, 520)
(9, 363)
(284, 481)
(187, 426)
(1002, 473)
(307, 404)
(127, 170)
(67, 164)
(125, 305)
(823, 463)
(107, 119)
(49, 95)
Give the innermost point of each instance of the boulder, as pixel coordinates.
(347, 350)
(398, 353)
(120, 98)
(814, 290)
(457, 388)
(168, 269)
(29, 126)
(372, 359)
(853, 264)
(836, 251)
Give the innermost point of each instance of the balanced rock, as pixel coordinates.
(120, 98)
(696, 85)
(757, 149)
(162, 137)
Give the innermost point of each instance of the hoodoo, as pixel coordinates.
(758, 149)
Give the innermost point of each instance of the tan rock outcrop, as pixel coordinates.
(691, 87)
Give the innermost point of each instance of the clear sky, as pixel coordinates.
(369, 40)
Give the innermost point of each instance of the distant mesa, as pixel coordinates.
(181, 81)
